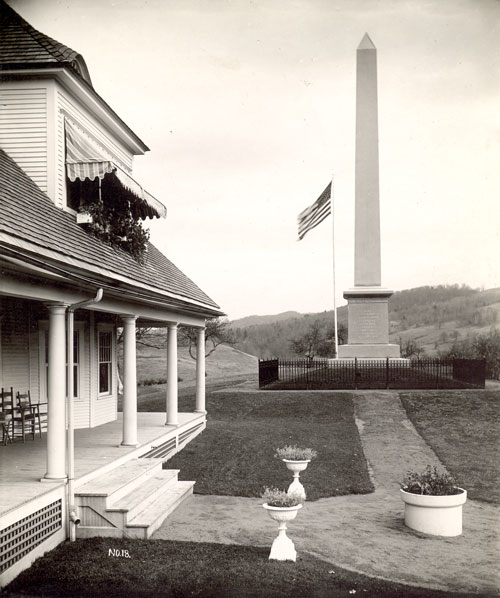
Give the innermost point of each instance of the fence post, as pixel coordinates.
(387, 372)
(355, 373)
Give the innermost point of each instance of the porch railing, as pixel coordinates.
(326, 374)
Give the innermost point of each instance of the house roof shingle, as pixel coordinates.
(22, 45)
(27, 214)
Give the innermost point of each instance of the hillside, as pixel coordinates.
(434, 317)
(257, 320)
(225, 363)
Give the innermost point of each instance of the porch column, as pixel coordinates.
(56, 399)
(129, 382)
(172, 409)
(200, 371)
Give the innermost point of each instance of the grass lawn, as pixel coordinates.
(463, 429)
(181, 569)
(235, 454)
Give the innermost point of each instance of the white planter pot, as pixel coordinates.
(296, 467)
(435, 515)
(283, 548)
(84, 218)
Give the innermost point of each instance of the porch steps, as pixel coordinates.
(131, 500)
(149, 520)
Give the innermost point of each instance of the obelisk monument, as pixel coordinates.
(367, 301)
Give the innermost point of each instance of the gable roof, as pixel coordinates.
(24, 48)
(22, 45)
(29, 219)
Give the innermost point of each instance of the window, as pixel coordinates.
(105, 361)
(81, 193)
(44, 362)
(76, 364)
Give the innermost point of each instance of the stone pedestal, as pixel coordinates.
(368, 324)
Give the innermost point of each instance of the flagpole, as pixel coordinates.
(333, 255)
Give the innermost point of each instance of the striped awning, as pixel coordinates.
(84, 160)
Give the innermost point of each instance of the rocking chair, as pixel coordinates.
(6, 414)
(27, 415)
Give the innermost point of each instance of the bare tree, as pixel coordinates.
(318, 340)
(217, 332)
(309, 343)
(144, 336)
(410, 348)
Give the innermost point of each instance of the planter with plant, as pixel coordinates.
(281, 507)
(296, 459)
(433, 502)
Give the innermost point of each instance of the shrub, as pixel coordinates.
(153, 381)
(294, 453)
(430, 482)
(279, 498)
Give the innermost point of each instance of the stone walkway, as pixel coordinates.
(364, 533)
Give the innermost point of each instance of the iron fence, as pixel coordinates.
(326, 374)
(268, 371)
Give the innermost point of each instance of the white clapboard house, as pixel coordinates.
(74, 269)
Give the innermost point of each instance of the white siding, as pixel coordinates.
(23, 128)
(109, 147)
(82, 404)
(15, 353)
(105, 410)
(34, 360)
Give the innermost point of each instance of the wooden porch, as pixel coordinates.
(120, 490)
(22, 465)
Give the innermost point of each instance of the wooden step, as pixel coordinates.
(118, 482)
(141, 496)
(148, 520)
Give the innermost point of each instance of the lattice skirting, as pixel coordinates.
(21, 537)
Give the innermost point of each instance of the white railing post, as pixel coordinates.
(129, 382)
(200, 371)
(172, 408)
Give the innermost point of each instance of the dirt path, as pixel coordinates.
(364, 533)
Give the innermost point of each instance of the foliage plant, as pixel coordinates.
(274, 497)
(479, 346)
(295, 453)
(430, 482)
(116, 217)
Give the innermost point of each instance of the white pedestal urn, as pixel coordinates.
(283, 549)
(296, 467)
(434, 515)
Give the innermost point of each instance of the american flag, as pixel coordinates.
(315, 213)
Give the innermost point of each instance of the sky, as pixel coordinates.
(248, 108)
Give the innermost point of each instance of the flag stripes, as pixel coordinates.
(315, 213)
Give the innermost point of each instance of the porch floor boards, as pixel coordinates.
(23, 465)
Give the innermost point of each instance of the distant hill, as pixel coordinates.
(433, 316)
(257, 320)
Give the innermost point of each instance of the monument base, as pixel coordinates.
(368, 324)
(378, 351)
